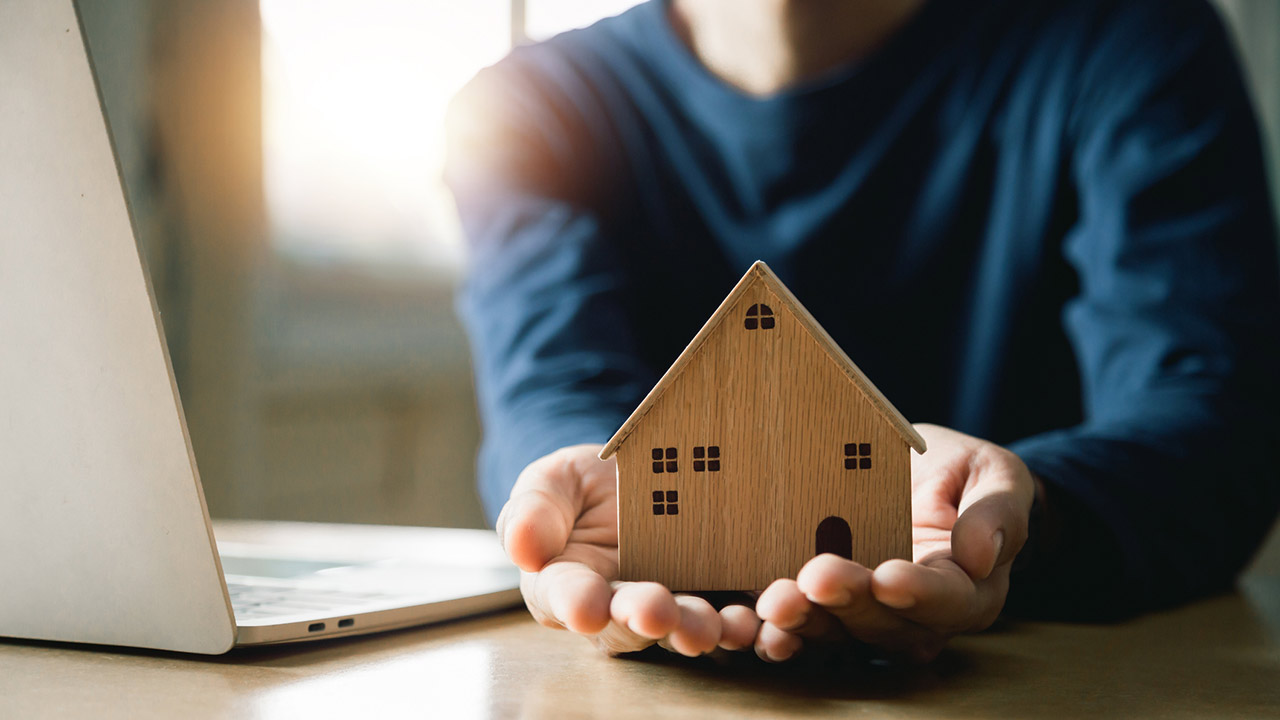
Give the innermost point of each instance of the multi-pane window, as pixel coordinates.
(666, 503)
(706, 458)
(857, 456)
(664, 465)
(759, 316)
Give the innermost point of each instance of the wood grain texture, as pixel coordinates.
(781, 410)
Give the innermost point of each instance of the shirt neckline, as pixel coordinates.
(700, 81)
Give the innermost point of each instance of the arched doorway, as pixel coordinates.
(834, 536)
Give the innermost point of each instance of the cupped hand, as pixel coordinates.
(970, 502)
(560, 527)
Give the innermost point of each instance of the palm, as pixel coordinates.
(938, 481)
(560, 528)
(969, 504)
(593, 541)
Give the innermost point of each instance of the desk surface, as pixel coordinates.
(1219, 658)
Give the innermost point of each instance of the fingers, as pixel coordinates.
(698, 631)
(546, 503)
(641, 614)
(989, 534)
(646, 609)
(739, 626)
(938, 597)
(570, 595)
(843, 589)
(784, 612)
(534, 527)
(789, 617)
(907, 610)
(773, 644)
(536, 521)
(992, 525)
(644, 613)
(618, 639)
(830, 601)
(939, 594)
(785, 606)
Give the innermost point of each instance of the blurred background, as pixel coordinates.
(283, 161)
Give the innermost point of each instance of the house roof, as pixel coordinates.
(759, 272)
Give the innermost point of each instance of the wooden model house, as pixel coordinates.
(762, 446)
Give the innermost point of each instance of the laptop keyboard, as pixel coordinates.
(254, 602)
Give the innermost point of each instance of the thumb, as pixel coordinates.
(992, 525)
(535, 524)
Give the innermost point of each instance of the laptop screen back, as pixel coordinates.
(104, 535)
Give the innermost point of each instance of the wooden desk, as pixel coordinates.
(1218, 658)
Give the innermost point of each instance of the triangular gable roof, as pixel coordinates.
(760, 271)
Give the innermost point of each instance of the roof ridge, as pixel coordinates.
(842, 359)
(760, 271)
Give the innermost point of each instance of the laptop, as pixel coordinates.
(104, 533)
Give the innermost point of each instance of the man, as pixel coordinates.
(1044, 225)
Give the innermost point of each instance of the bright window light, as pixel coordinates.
(544, 18)
(354, 103)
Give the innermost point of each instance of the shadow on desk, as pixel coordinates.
(1218, 658)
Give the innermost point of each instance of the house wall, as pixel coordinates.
(781, 412)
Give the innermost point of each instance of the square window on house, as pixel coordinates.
(671, 466)
(857, 456)
(671, 453)
(666, 503)
(658, 465)
(701, 463)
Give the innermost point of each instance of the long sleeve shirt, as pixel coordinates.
(1044, 224)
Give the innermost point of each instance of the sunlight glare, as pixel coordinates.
(354, 104)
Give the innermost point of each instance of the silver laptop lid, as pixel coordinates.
(104, 536)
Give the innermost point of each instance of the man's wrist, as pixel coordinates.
(1038, 528)
(1071, 554)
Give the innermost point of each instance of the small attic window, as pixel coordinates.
(759, 316)
(659, 465)
(857, 456)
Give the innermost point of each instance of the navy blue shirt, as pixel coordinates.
(1045, 224)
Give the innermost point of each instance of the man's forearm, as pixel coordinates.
(1138, 515)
